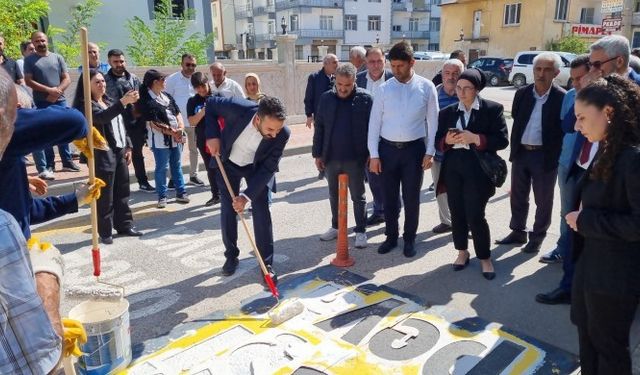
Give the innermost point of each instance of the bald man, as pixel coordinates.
(223, 86)
(94, 59)
(317, 84)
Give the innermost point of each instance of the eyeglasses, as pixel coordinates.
(598, 64)
(189, 65)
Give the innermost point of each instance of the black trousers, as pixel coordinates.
(138, 136)
(402, 168)
(527, 171)
(468, 192)
(201, 142)
(603, 322)
(113, 205)
(262, 227)
(355, 171)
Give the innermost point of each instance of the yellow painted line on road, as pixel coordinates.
(82, 224)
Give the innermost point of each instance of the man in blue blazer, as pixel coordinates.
(250, 146)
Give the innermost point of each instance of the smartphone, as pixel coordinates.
(455, 130)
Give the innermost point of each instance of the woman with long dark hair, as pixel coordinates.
(606, 221)
(112, 164)
(166, 134)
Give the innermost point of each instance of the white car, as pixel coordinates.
(522, 71)
(430, 55)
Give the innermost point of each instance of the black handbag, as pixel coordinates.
(492, 165)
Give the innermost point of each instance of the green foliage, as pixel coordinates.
(164, 40)
(570, 43)
(18, 19)
(67, 41)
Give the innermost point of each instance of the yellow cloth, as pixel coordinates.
(74, 333)
(98, 143)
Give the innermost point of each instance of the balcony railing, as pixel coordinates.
(243, 12)
(324, 34)
(265, 37)
(259, 11)
(635, 20)
(251, 38)
(409, 7)
(410, 34)
(286, 4)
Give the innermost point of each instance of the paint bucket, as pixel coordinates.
(108, 346)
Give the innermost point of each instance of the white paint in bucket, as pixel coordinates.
(108, 347)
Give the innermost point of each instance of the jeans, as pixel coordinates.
(355, 171)
(168, 158)
(45, 159)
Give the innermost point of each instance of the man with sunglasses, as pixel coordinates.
(179, 86)
(609, 55)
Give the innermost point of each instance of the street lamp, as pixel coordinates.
(377, 38)
(403, 36)
(283, 24)
(461, 36)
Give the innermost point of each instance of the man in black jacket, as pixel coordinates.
(119, 81)
(317, 84)
(340, 145)
(536, 141)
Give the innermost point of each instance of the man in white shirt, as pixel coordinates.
(223, 86)
(26, 49)
(179, 86)
(402, 130)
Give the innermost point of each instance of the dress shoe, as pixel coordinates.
(229, 266)
(212, 201)
(489, 275)
(106, 240)
(532, 247)
(555, 297)
(409, 249)
(374, 220)
(441, 228)
(514, 238)
(131, 232)
(388, 245)
(460, 267)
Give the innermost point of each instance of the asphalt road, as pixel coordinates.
(172, 273)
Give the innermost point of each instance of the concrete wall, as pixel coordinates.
(273, 78)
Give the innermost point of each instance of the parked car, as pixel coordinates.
(522, 71)
(496, 69)
(429, 55)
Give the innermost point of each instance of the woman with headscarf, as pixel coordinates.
(473, 125)
(606, 246)
(112, 164)
(166, 134)
(252, 87)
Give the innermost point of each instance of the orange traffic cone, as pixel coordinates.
(342, 258)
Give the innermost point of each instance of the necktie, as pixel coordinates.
(585, 152)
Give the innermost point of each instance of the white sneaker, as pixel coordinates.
(47, 174)
(361, 240)
(330, 235)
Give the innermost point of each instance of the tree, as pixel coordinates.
(569, 43)
(67, 41)
(164, 41)
(20, 18)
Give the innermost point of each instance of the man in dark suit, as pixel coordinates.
(250, 145)
(340, 146)
(317, 84)
(370, 80)
(536, 141)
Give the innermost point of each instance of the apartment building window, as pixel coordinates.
(351, 22)
(326, 22)
(271, 26)
(396, 28)
(586, 15)
(512, 14)
(374, 23)
(434, 24)
(434, 47)
(413, 24)
(293, 22)
(178, 7)
(636, 6)
(562, 8)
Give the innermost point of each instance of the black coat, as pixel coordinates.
(523, 103)
(317, 84)
(106, 160)
(325, 119)
(361, 78)
(607, 245)
(117, 87)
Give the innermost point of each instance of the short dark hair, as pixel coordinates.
(272, 107)
(187, 56)
(456, 54)
(636, 51)
(24, 45)
(580, 60)
(373, 49)
(199, 79)
(114, 52)
(401, 51)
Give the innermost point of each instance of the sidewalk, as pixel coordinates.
(299, 143)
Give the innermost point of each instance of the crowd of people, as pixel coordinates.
(378, 126)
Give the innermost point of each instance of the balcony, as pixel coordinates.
(409, 35)
(251, 38)
(287, 4)
(409, 7)
(243, 12)
(635, 19)
(259, 11)
(265, 37)
(319, 34)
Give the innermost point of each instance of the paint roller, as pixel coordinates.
(278, 314)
